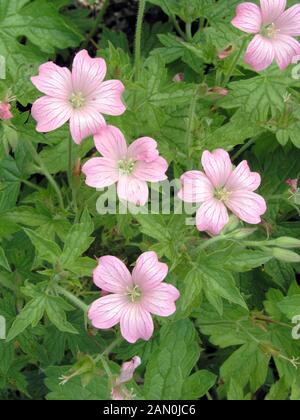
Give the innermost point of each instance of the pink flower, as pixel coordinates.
(5, 113)
(118, 391)
(293, 184)
(274, 27)
(133, 297)
(130, 167)
(81, 96)
(222, 187)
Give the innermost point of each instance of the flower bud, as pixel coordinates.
(286, 255)
(178, 78)
(218, 91)
(226, 52)
(286, 242)
(293, 184)
(269, 349)
(243, 233)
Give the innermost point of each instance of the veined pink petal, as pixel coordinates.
(271, 10)
(196, 187)
(161, 300)
(260, 53)
(154, 171)
(112, 275)
(100, 172)
(217, 166)
(136, 323)
(289, 22)
(133, 190)
(128, 369)
(243, 179)
(248, 18)
(144, 149)
(106, 312)
(5, 111)
(54, 81)
(84, 123)
(212, 217)
(111, 143)
(108, 98)
(50, 113)
(285, 49)
(247, 206)
(87, 73)
(149, 272)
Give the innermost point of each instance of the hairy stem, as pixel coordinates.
(72, 298)
(138, 38)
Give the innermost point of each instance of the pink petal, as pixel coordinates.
(243, 179)
(212, 217)
(217, 166)
(161, 300)
(112, 275)
(54, 81)
(50, 113)
(271, 10)
(289, 21)
(5, 111)
(144, 149)
(84, 123)
(133, 190)
(100, 172)
(196, 187)
(247, 206)
(248, 18)
(149, 272)
(154, 171)
(260, 53)
(107, 99)
(128, 369)
(136, 323)
(106, 312)
(87, 73)
(111, 143)
(285, 48)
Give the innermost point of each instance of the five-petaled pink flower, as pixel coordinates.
(222, 187)
(133, 297)
(131, 167)
(5, 112)
(274, 29)
(81, 96)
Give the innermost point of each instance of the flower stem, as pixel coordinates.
(188, 138)
(97, 23)
(44, 170)
(188, 30)
(138, 37)
(72, 298)
(243, 149)
(234, 63)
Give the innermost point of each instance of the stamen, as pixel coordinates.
(222, 194)
(270, 31)
(77, 100)
(126, 166)
(134, 293)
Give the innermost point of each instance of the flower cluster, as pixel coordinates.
(82, 97)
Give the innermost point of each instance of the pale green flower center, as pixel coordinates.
(222, 194)
(126, 166)
(270, 31)
(134, 293)
(77, 100)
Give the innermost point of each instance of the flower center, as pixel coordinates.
(77, 100)
(126, 166)
(222, 194)
(270, 31)
(134, 293)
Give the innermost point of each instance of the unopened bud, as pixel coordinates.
(269, 349)
(218, 91)
(286, 242)
(178, 78)
(243, 233)
(286, 255)
(226, 52)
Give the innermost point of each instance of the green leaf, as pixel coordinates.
(31, 314)
(46, 249)
(171, 364)
(3, 260)
(198, 384)
(290, 306)
(55, 309)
